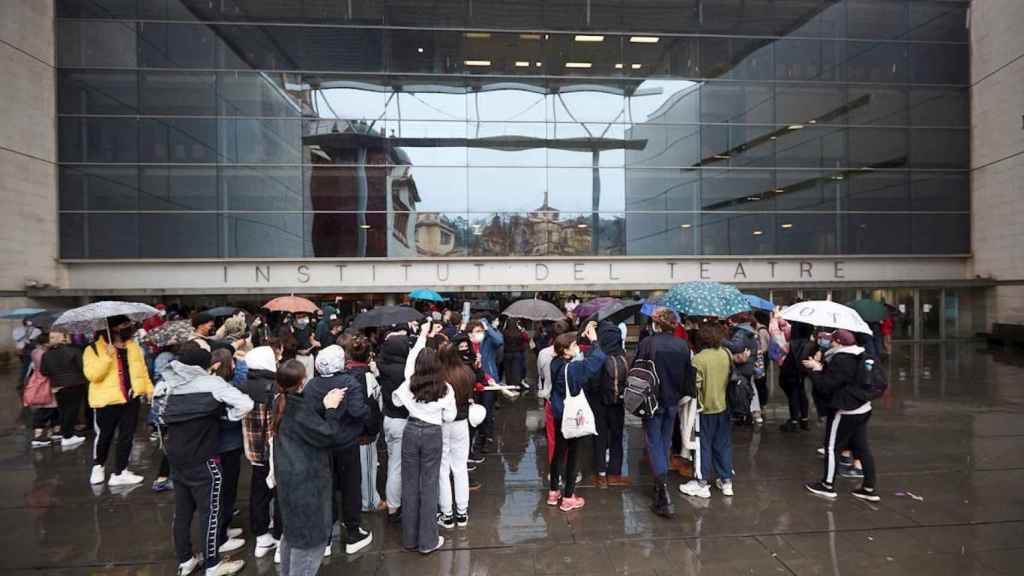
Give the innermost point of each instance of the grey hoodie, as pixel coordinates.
(190, 402)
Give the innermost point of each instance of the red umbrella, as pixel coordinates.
(293, 304)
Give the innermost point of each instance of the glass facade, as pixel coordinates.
(401, 128)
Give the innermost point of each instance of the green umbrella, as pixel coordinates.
(870, 310)
(704, 298)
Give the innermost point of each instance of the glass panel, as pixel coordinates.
(811, 147)
(266, 235)
(177, 45)
(805, 59)
(349, 188)
(656, 145)
(434, 234)
(96, 8)
(354, 235)
(877, 105)
(98, 140)
(72, 235)
(98, 92)
(877, 234)
(931, 313)
(935, 21)
(661, 234)
(875, 62)
(513, 189)
(187, 140)
(97, 44)
(939, 107)
(725, 234)
(99, 188)
(800, 103)
(808, 234)
(241, 94)
(275, 141)
(111, 235)
(806, 190)
(885, 19)
(736, 58)
(938, 191)
(657, 190)
(939, 64)
(941, 233)
(735, 189)
(262, 189)
(178, 235)
(940, 148)
(951, 315)
(179, 93)
(176, 188)
(880, 191)
(583, 144)
(877, 147)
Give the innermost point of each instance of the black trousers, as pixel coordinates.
(69, 403)
(43, 418)
(849, 431)
(761, 384)
(260, 497)
(610, 421)
(565, 448)
(486, 428)
(231, 469)
(514, 365)
(197, 488)
(347, 481)
(796, 394)
(122, 418)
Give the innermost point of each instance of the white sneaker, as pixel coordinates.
(231, 545)
(354, 545)
(725, 487)
(234, 532)
(695, 489)
(327, 551)
(125, 478)
(99, 475)
(71, 442)
(226, 568)
(264, 544)
(41, 442)
(821, 452)
(277, 554)
(440, 542)
(189, 566)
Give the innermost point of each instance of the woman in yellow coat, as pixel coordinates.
(118, 379)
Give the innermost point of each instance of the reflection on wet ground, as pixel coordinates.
(950, 433)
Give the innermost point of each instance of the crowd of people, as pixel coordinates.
(307, 399)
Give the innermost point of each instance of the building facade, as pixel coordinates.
(797, 147)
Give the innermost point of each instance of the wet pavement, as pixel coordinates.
(950, 434)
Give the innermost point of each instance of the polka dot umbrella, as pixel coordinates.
(705, 298)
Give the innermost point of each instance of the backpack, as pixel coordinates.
(739, 392)
(374, 417)
(871, 377)
(642, 389)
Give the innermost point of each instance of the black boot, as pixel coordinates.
(662, 503)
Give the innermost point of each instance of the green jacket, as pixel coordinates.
(712, 366)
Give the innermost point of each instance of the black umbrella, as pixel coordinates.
(618, 311)
(221, 311)
(386, 316)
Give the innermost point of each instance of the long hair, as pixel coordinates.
(290, 376)
(226, 360)
(456, 373)
(427, 384)
(709, 336)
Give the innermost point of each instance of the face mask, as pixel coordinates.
(824, 344)
(468, 356)
(578, 355)
(477, 337)
(302, 322)
(125, 333)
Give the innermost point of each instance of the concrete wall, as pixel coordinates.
(997, 151)
(28, 153)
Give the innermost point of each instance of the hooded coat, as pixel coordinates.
(611, 380)
(744, 337)
(837, 384)
(391, 364)
(352, 411)
(191, 403)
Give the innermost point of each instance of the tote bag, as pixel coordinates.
(38, 392)
(577, 417)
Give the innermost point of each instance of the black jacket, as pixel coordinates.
(391, 365)
(671, 356)
(302, 468)
(837, 384)
(608, 385)
(350, 413)
(261, 386)
(63, 366)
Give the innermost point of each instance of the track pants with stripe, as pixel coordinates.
(714, 446)
(848, 431)
(197, 488)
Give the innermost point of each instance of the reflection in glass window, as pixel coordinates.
(99, 188)
(265, 235)
(179, 140)
(98, 140)
(98, 92)
(178, 235)
(98, 44)
(176, 188)
(877, 234)
(267, 189)
(179, 93)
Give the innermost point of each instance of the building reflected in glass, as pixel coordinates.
(307, 128)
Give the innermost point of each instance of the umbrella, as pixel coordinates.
(20, 313)
(170, 332)
(44, 320)
(870, 310)
(648, 306)
(386, 316)
(590, 307)
(618, 311)
(758, 302)
(485, 305)
(293, 304)
(93, 317)
(705, 298)
(534, 309)
(424, 294)
(827, 315)
(221, 311)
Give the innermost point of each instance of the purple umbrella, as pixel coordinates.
(590, 307)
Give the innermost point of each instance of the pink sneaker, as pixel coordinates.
(572, 503)
(553, 497)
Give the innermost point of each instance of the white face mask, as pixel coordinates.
(477, 337)
(578, 355)
(302, 322)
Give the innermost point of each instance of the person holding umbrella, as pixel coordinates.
(118, 378)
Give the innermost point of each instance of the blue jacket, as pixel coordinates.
(579, 373)
(231, 432)
(489, 351)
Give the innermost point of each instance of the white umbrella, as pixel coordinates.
(93, 317)
(827, 315)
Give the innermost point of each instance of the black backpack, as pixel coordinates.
(374, 419)
(739, 392)
(871, 377)
(642, 389)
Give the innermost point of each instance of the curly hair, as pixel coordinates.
(665, 319)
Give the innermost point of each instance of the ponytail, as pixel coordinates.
(290, 376)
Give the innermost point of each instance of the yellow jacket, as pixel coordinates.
(104, 382)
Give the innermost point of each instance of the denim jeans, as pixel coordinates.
(658, 433)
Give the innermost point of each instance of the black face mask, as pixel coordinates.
(468, 356)
(125, 333)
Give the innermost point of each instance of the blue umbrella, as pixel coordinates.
(705, 298)
(424, 294)
(649, 306)
(19, 313)
(758, 302)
